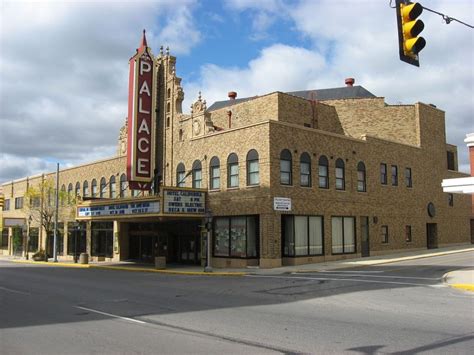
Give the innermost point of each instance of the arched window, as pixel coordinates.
(169, 93)
(94, 187)
(340, 175)
(78, 189)
(197, 174)
(361, 183)
(285, 167)
(69, 193)
(123, 185)
(305, 170)
(215, 173)
(232, 170)
(180, 175)
(168, 107)
(252, 168)
(62, 197)
(85, 189)
(103, 187)
(112, 187)
(323, 172)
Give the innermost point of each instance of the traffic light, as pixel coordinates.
(409, 28)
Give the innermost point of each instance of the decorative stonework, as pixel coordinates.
(122, 140)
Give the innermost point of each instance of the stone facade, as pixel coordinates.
(350, 131)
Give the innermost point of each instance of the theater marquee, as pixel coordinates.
(141, 119)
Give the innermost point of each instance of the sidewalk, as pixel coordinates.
(460, 279)
(464, 277)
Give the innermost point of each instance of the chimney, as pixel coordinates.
(350, 82)
(232, 95)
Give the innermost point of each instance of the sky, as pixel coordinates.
(64, 64)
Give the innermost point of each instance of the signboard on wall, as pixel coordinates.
(282, 204)
(119, 209)
(141, 118)
(184, 201)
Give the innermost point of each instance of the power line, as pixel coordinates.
(447, 19)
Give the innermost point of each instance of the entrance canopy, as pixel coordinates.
(174, 202)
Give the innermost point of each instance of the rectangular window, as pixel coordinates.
(408, 234)
(76, 236)
(6, 205)
(384, 234)
(236, 237)
(451, 162)
(234, 175)
(197, 178)
(285, 172)
(4, 244)
(408, 180)
(323, 177)
(361, 185)
(102, 239)
(343, 235)
(181, 179)
(253, 172)
(33, 240)
(450, 200)
(302, 235)
(18, 203)
(340, 179)
(305, 176)
(35, 202)
(394, 175)
(383, 174)
(215, 178)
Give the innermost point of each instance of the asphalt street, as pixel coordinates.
(402, 308)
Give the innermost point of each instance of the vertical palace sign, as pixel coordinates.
(141, 118)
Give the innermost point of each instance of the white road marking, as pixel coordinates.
(388, 276)
(111, 315)
(349, 272)
(14, 291)
(349, 280)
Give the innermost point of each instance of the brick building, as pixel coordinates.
(290, 178)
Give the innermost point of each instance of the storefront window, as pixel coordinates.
(4, 244)
(102, 239)
(76, 238)
(236, 237)
(343, 235)
(302, 235)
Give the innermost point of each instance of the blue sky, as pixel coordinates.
(64, 64)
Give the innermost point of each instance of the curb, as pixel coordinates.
(465, 287)
(121, 268)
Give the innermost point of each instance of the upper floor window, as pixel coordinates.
(69, 193)
(215, 173)
(252, 168)
(361, 177)
(450, 200)
(408, 179)
(323, 165)
(394, 175)
(383, 174)
(78, 188)
(197, 174)
(62, 196)
(112, 187)
(340, 175)
(102, 187)
(123, 185)
(94, 187)
(18, 203)
(85, 189)
(451, 160)
(6, 205)
(305, 170)
(232, 170)
(180, 175)
(285, 167)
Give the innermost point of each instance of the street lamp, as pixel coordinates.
(208, 219)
